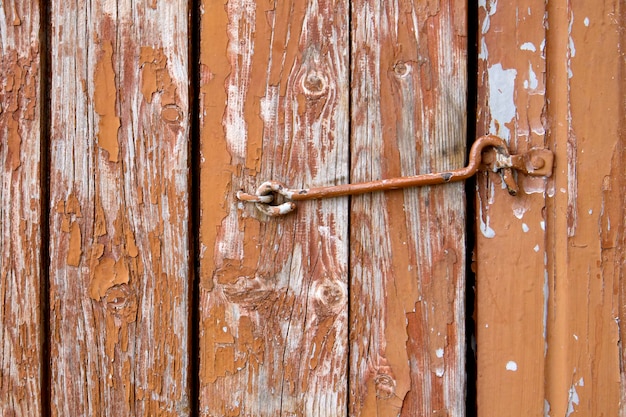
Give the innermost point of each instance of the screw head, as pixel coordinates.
(537, 162)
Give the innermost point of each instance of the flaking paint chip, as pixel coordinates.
(511, 366)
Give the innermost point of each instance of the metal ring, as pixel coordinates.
(252, 198)
(265, 195)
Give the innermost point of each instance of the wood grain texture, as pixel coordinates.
(549, 319)
(585, 214)
(407, 287)
(511, 280)
(20, 209)
(274, 105)
(119, 195)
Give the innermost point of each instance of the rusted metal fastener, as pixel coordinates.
(490, 151)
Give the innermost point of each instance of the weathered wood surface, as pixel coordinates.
(20, 210)
(119, 272)
(548, 319)
(273, 294)
(585, 209)
(407, 265)
(511, 284)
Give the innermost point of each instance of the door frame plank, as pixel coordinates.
(119, 273)
(273, 292)
(21, 342)
(407, 275)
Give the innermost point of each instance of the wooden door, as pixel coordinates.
(550, 262)
(346, 307)
(133, 282)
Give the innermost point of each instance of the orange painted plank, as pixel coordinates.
(119, 273)
(585, 215)
(273, 292)
(511, 270)
(548, 325)
(20, 210)
(407, 335)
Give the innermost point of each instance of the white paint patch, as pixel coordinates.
(487, 231)
(533, 82)
(501, 99)
(542, 224)
(511, 366)
(546, 294)
(573, 400)
(528, 46)
(581, 382)
(486, 325)
(590, 211)
(536, 248)
(439, 353)
(586, 22)
(525, 227)
(225, 329)
(571, 48)
(486, 25)
(575, 336)
(439, 372)
(519, 212)
(483, 53)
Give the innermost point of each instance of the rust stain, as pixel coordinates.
(105, 97)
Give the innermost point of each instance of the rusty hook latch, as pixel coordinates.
(489, 151)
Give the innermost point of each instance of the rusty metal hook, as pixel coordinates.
(536, 162)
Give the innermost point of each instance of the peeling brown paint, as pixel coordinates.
(266, 281)
(107, 273)
(14, 145)
(406, 326)
(121, 319)
(75, 246)
(155, 76)
(21, 368)
(565, 360)
(217, 170)
(19, 98)
(105, 98)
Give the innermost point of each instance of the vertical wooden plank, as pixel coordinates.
(408, 247)
(119, 183)
(274, 104)
(20, 210)
(511, 270)
(585, 215)
(549, 318)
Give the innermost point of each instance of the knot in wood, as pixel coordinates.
(314, 85)
(330, 297)
(401, 68)
(171, 113)
(385, 386)
(121, 302)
